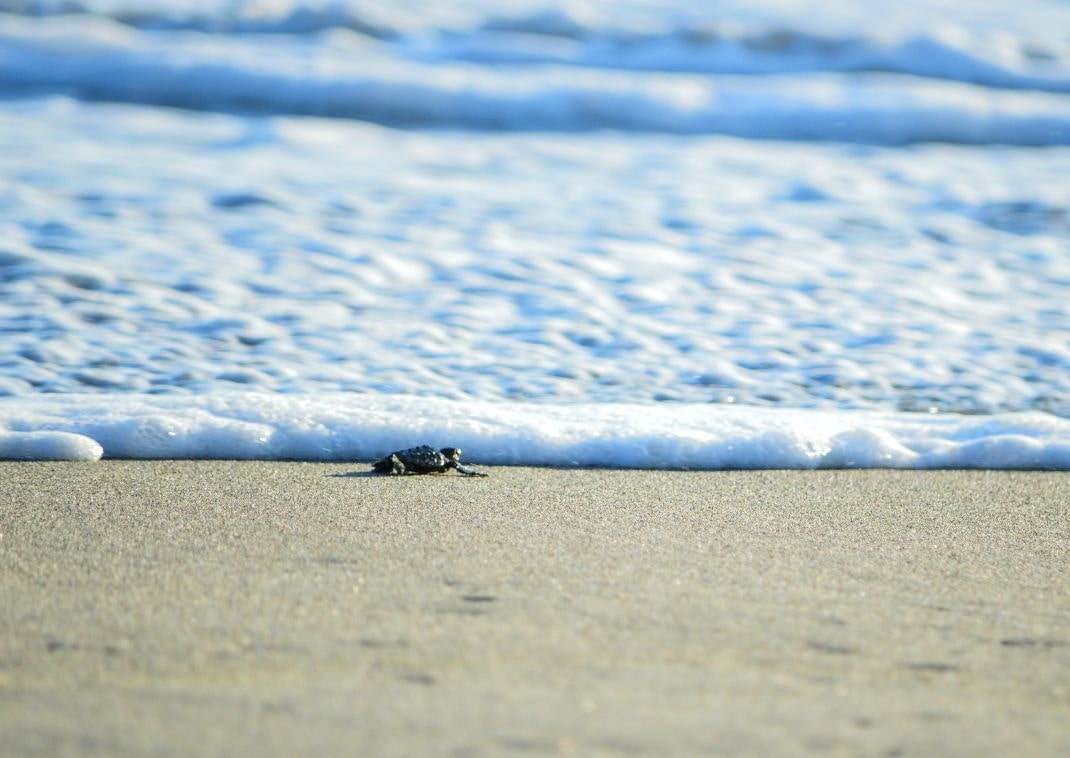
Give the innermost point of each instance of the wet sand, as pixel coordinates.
(209, 608)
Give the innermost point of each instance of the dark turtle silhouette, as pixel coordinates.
(423, 460)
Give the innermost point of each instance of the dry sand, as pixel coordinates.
(179, 608)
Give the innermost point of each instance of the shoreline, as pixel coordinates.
(212, 607)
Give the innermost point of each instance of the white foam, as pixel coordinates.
(342, 426)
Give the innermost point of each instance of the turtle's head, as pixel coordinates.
(452, 453)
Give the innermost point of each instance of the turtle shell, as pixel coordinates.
(423, 458)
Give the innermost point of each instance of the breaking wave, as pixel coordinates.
(549, 71)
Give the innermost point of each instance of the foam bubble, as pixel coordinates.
(48, 446)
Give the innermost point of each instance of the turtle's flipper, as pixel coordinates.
(389, 465)
(467, 471)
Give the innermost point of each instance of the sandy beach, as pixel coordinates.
(209, 608)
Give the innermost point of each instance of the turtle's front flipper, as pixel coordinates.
(467, 471)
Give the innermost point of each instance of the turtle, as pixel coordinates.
(423, 460)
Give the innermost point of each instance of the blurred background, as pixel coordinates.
(789, 204)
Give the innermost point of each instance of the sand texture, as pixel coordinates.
(211, 608)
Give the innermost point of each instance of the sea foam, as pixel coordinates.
(351, 427)
(338, 256)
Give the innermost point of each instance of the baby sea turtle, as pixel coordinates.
(423, 460)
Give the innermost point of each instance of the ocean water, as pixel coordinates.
(637, 233)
